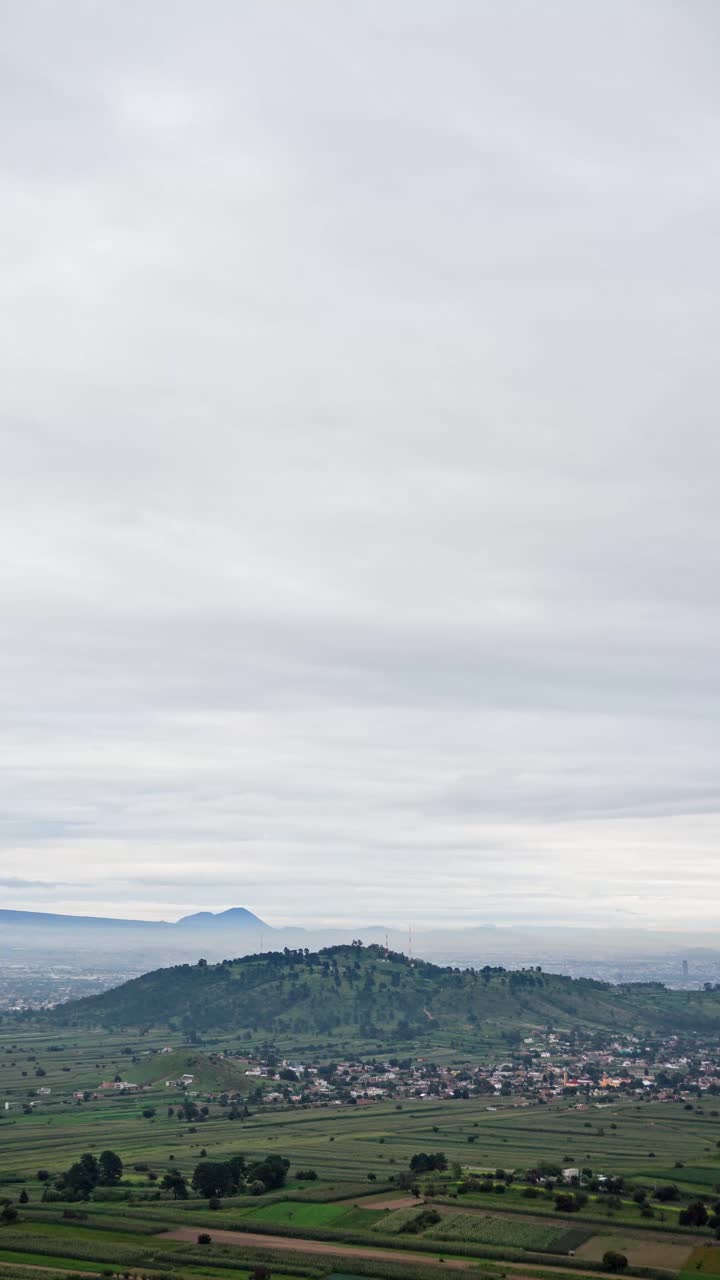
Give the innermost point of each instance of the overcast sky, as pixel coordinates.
(359, 531)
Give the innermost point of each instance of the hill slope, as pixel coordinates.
(366, 991)
(209, 1071)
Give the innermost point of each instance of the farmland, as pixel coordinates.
(352, 1212)
(482, 1150)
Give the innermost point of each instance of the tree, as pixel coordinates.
(238, 1167)
(23, 1197)
(8, 1213)
(81, 1178)
(421, 1162)
(613, 1261)
(213, 1178)
(174, 1181)
(670, 1192)
(111, 1167)
(272, 1171)
(696, 1215)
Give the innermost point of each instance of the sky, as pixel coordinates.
(359, 532)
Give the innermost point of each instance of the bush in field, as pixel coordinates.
(204, 1238)
(422, 1221)
(696, 1215)
(423, 1162)
(566, 1203)
(613, 1261)
(670, 1192)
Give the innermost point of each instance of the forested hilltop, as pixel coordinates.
(372, 992)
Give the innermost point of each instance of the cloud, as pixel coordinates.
(39, 886)
(359, 500)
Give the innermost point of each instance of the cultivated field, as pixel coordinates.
(356, 1152)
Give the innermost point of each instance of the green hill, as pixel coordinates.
(368, 992)
(210, 1072)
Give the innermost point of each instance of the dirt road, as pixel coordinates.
(253, 1239)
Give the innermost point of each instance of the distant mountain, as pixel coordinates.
(52, 920)
(351, 990)
(233, 918)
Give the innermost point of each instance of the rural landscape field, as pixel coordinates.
(502, 1139)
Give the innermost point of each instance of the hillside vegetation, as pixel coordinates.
(209, 1071)
(385, 995)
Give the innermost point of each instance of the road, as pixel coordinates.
(253, 1239)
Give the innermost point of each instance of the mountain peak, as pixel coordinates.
(233, 917)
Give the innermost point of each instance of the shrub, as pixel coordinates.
(613, 1261)
(421, 1221)
(670, 1192)
(696, 1215)
(204, 1238)
(566, 1203)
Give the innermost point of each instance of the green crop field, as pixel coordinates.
(354, 1151)
(487, 1229)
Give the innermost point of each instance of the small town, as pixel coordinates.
(537, 1071)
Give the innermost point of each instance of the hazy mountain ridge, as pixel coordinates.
(367, 989)
(233, 917)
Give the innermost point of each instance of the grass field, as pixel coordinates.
(354, 1151)
(639, 1252)
(703, 1261)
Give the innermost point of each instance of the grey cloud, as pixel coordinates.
(359, 476)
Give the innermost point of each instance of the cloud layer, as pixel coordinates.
(359, 475)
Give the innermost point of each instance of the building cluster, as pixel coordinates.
(542, 1068)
